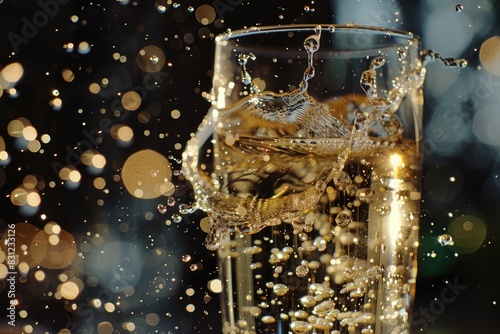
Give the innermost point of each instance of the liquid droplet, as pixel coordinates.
(311, 43)
(445, 240)
(212, 241)
(246, 78)
(429, 56)
(162, 208)
(459, 8)
(176, 218)
(171, 201)
(154, 59)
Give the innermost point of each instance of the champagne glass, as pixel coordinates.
(307, 165)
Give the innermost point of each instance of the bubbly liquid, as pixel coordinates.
(313, 205)
(333, 265)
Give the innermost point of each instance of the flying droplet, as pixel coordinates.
(459, 8)
(445, 240)
(171, 201)
(176, 218)
(162, 208)
(154, 59)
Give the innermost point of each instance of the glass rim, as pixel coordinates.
(254, 30)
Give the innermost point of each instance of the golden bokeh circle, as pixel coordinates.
(489, 54)
(146, 174)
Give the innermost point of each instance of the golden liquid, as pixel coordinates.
(294, 259)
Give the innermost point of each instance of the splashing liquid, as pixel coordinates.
(298, 113)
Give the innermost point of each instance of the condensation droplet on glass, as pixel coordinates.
(162, 208)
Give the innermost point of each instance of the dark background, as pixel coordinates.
(457, 288)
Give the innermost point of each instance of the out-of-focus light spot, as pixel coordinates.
(56, 103)
(30, 181)
(23, 314)
(152, 319)
(45, 138)
(99, 183)
(98, 161)
(489, 55)
(205, 14)
(83, 48)
(33, 199)
(94, 88)
(74, 18)
(190, 292)
(12, 73)
(205, 224)
(485, 125)
(29, 133)
(190, 308)
(131, 100)
(28, 329)
(19, 196)
(3, 271)
(175, 114)
(15, 127)
(151, 58)
(146, 174)
(130, 326)
(69, 47)
(74, 176)
(468, 233)
(23, 267)
(53, 240)
(105, 328)
(69, 290)
(34, 146)
(2, 144)
(109, 307)
(215, 285)
(122, 133)
(39, 275)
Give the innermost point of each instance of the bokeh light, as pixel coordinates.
(146, 174)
